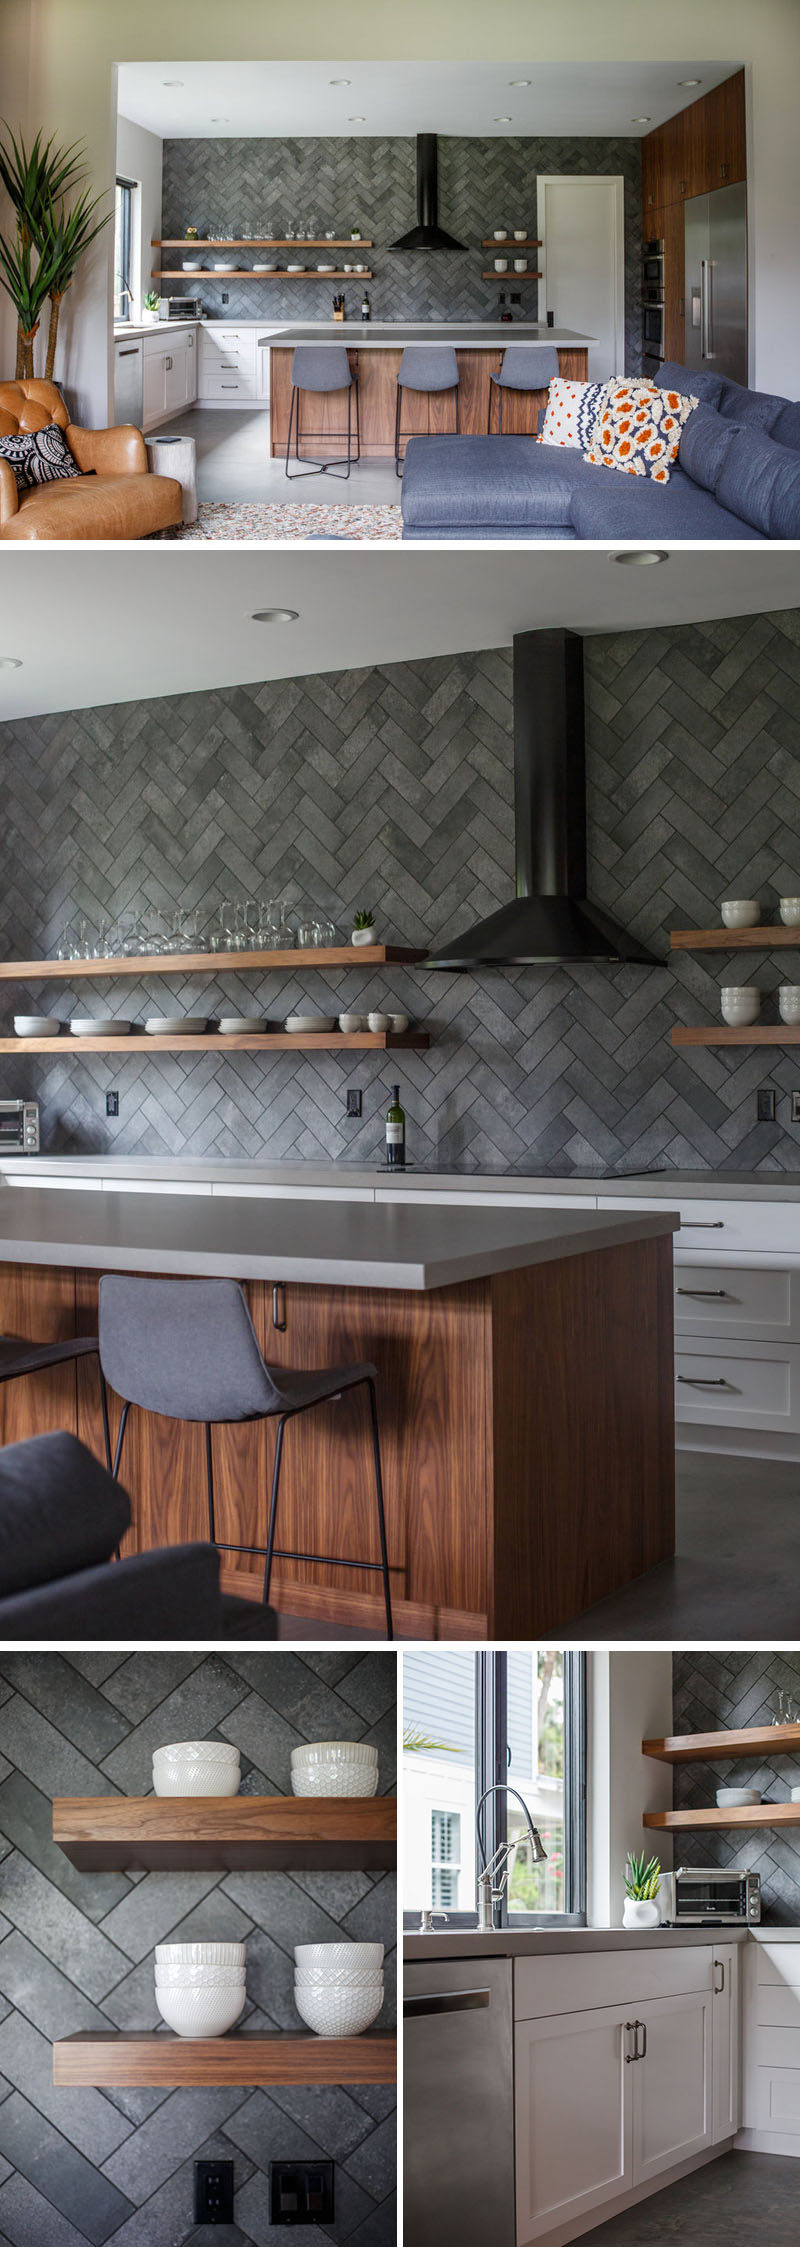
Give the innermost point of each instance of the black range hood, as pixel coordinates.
(428, 234)
(551, 920)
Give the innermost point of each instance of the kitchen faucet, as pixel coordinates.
(493, 1878)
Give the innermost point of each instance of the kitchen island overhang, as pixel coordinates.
(525, 1393)
(375, 349)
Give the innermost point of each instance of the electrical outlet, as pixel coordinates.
(301, 2192)
(112, 1103)
(796, 1107)
(353, 1101)
(226, 296)
(213, 2192)
(765, 1104)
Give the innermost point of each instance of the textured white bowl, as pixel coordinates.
(740, 912)
(221, 1751)
(737, 1798)
(200, 1977)
(315, 1981)
(197, 2012)
(197, 1768)
(350, 1024)
(335, 1767)
(398, 1023)
(36, 1026)
(338, 2012)
(740, 1004)
(790, 911)
(359, 1956)
(377, 1021)
(200, 1954)
(789, 1002)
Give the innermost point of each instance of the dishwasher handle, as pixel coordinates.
(446, 2001)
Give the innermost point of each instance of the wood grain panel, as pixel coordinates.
(423, 413)
(244, 2057)
(765, 1814)
(150, 1833)
(583, 1435)
(361, 1610)
(38, 1305)
(757, 1033)
(750, 1739)
(198, 963)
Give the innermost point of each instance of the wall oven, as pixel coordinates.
(653, 329)
(19, 1127)
(653, 267)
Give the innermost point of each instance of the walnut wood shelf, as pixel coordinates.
(274, 273)
(699, 1747)
(528, 275)
(756, 1814)
(198, 963)
(244, 2057)
(533, 242)
(274, 1041)
(758, 939)
(770, 1033)
(262, 242)
(166, 1833)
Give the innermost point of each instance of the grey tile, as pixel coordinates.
(151, 1911)
(26, 1819)
(204, 1699)
(46, 1997)
(53, 1924)
(331, 2117)
(144, 1680)
(47, 1759)
(263, 1735)
(47, 2160)
(373, 2163)
(85, 2117)
(371, 1687)
(70, 1702)
(28, 2220)
(152, 2153)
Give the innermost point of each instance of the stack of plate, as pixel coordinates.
(331, 1767)
(36, 1026)
(100, 1026)
(302, 1025)
(243, 1025)
(176, 1025)
(338, 1987)
(200, 1987)
(193, 1767)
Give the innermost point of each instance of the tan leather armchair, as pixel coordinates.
(115, 496)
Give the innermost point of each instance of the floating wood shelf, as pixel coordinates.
(275, 273)
(759, 939)
(532, 242)
(245, 2057)
(274, 1041)
(158, 1833)
(262, 242)
(701, 1747)
(758, 1814)
(528, 275)
(757, 1033)
(198, 963)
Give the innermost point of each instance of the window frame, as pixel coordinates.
(491, 1768)
(128, 187)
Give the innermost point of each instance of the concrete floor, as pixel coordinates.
(735, 1572)
(742, 2200)
(233, 463)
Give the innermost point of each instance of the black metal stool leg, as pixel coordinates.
(358, 422)
(273, 1510)
(289, 434)
(212, 1535)
(397, 468)
(104, 1410)
(458, 418)
(387, 1589)
(123, 1422)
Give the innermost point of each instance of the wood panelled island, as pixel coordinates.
(525, 1393)
(375, 349)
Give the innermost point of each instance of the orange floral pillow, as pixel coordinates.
(638, 429)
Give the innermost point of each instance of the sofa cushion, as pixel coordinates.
(59, 1511)
(755, 409)
(696, 381)
(762, 481)
(632, 507)
(168, 1594)
(638, 429)
(570, 413)
(488, 481)
(97, 507)
(705, 443)
(785, 429)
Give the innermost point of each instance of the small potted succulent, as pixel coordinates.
(355, 233)
(363, 926)
(151, 304)
(642, 1882)
(191, 234)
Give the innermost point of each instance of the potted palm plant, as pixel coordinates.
(51, 235)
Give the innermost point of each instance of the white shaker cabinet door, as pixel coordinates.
(671, 2083)
(573, 2117)
(725, 2041)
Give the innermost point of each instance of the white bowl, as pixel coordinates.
(740, 1003)
(740, 912)
(326, 269)
(199, 1977)
(737, 1798)
(377, 1021)
(222, 1751)
(196, 1769)
(313, 1979)
(501, 265)
(332, 1768)
(200, 1954)
(790, 912)
(795, 1794)
(176, 1025)
(303, 1025)
(789, 1002)
(362, 1957)
(350, 1751)
(100, 1026)
(350, 1024)
(36, 1026)
(201, 2012)
(520, 265)
(500, 234)
(398, 1023)
(295, 269)
(342, 2012)
(520, 234)
(242, 1025)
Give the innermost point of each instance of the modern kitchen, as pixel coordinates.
(382, 952)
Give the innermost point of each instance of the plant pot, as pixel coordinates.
(641, 1912)
(363, 935)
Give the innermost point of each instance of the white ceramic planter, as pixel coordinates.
(363, 935)
(335, 1767)
(339, 2012)
(641, 1912)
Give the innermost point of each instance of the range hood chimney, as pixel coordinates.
(551, 920)
(428, 234)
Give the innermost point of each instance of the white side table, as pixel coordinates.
(176, 456)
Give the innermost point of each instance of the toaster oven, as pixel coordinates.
(712, 1896)
(19, 1127)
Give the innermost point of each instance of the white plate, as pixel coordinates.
(36, 1026)
(176, 1025)
(100, 1026)
(302, 1025)
(242, 1025)
(295, 269)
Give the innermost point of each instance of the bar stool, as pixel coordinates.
(188, 1349)
(427, 367)
(525, 366)
(319, 368)
(18, 1357)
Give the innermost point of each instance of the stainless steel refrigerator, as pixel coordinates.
(715, 282)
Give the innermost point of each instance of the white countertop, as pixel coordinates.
(545, 1942)
(330, 1244)
(344, 1177)
(391, 335)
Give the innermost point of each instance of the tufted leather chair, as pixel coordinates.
(115, 497)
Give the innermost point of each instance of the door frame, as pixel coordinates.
(591, 179)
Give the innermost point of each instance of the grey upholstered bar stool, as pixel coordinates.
(430, 367)
(525, 366)
(18, 1357)
(320, 368)
(188, 1349)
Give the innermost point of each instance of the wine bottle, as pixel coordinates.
(395, 1132)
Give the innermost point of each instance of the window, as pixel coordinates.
(123, 257)
(511, 1720)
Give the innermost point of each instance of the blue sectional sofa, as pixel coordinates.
(737, 476)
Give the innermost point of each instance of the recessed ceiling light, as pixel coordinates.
(356, 120)
(10, 663)
(274, 616)
(641, 120)
(220, 120)
(340, 81)
(502, 120)
(641, 557)
(519, 81)
(690, 81)
(172, 81)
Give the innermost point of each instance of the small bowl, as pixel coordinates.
(332, 2012)
(398, 1023)
(202, 2012)
(789, 1003)
(520, 234)
(196, 1767)
(335, 1767)
(378, 1023)
(520, 265)
(501, 265)
(350, 1024)
(242, 1025)
(740, 1004)
(737, 1798)
(36, 1026)
(360, 1956)
(740, 912)
(789, 908)
(500, 234)
(200, 1954)
(795, 1794)
(309, 1025)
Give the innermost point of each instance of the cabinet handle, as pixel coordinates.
(630, 2030)
(643, 2026)
(703, 1224)
(279, 1304)
(695, 1381)
(132, 352)
(709, 1294)
(229, 386)
(720, 1985)
(168, 365)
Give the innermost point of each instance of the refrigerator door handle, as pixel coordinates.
(706, 305)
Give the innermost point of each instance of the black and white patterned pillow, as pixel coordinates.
(38, 456)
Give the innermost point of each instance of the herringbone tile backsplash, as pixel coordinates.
(236, 188)
(393, 787)
(86, 2168)
(721, 1692)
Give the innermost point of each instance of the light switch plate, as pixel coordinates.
(796, 1107)
(301, 2192)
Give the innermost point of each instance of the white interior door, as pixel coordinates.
(582, 261)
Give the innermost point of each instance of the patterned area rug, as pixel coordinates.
(225, 519)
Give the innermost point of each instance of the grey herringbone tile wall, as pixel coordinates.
(714, 1693)
(268, 187)
(395, 786)
(87, 2168)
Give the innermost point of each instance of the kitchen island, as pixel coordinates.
(375, 350)
(525, 1392)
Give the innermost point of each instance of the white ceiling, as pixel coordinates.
(155, 621)
(258, 99)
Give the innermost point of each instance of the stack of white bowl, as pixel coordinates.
(331, 1767)
(195, 1767)
(200, 1987)
(338, 1987)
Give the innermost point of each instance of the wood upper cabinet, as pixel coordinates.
(702, 147)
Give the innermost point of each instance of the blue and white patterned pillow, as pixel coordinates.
(38, 456)
(572, 409)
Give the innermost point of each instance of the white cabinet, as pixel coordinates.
(574, 2117)
(262, 369)
(228, 374)
(170, 377)
(671, 2083)
(771, 2114)
(725, 2044)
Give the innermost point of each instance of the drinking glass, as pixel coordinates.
(67, 946)
(227, 926)
(130, 943)
(307, 932)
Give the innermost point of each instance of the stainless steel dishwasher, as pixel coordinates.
(458, 2093)
(128, 372)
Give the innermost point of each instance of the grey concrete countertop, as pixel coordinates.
(546, 1942)
(471, 335)
(153, 327)
(322, 1244)
(685, 1185)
